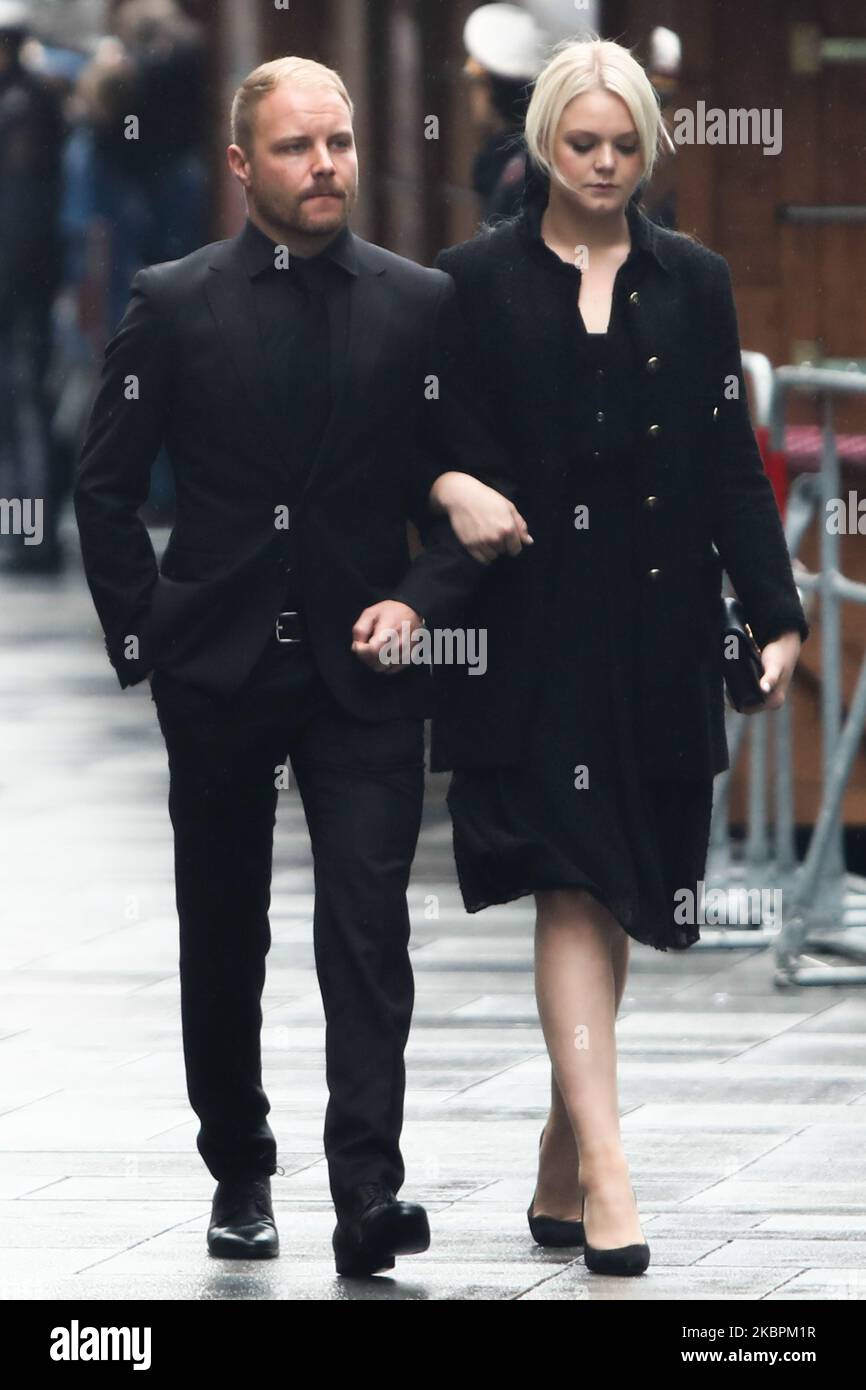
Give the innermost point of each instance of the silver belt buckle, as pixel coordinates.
(288, 613)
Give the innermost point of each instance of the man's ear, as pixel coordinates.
(238, 163)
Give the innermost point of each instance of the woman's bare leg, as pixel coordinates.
(578, 990)
(558, 1187)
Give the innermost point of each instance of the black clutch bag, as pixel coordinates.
(741, 658)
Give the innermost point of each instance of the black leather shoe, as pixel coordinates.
(553, 1230)
(375, 1227)
(242, 1220)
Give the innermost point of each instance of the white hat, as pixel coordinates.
(665, 51)
(561, 19)
(14, 15)
(505, 40)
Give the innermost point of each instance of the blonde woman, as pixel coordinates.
(608, 364)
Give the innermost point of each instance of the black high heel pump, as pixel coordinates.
(550, 1230)
(622, 1259)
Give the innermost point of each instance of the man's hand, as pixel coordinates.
(779, 658)
(377, 627)
(484, 521)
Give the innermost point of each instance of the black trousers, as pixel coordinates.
(361, 785)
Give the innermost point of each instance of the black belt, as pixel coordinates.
(289, 627)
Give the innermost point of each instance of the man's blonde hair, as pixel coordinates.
(584, 65)
(301, 72)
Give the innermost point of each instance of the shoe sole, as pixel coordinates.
(392, 1235)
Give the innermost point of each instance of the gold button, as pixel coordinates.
(653, 364)
(654, 431)
(653, 574)
(634, 297)
(650, 502)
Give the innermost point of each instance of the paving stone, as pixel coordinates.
(743, 1105)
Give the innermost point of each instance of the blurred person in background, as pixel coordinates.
(148, 178)
(137, 191)
(664, 56)
(504, 47)
(31, 137)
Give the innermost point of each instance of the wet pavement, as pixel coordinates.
(744, 1107)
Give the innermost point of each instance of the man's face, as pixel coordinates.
(301, 173)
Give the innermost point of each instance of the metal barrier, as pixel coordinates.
(822, 905)
(755, 866)
(826, 906)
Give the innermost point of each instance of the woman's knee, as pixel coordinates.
(575, 908)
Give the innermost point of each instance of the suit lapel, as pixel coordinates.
(230, 295)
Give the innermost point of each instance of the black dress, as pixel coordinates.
(591, 820)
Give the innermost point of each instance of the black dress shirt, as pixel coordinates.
(297, 299)
(294, 303)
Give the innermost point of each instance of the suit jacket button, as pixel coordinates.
(715, 413)
(654, 431)
(650, 502)
(653, 364)
(634, 297)
(600, 417)
(653, 574)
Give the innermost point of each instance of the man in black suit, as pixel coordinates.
(292, 373)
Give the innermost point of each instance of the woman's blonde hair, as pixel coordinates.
(301, 72)
(585, 65)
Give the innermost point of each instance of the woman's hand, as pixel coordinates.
(779, 658)
(484, 521)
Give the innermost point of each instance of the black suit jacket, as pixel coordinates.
(703, 499)
(185, 368)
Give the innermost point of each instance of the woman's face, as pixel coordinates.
(597, 151)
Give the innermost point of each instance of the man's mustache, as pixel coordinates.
(324, 193)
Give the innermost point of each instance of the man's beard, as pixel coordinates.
(289, 217)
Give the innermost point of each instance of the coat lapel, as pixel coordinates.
(658, 328)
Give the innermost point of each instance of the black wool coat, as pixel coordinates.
(705, 502)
